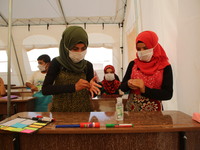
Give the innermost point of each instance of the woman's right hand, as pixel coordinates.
(137, 84)
(82, 84)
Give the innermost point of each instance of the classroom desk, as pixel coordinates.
(20, 104)
(167, 130)
(18, 87)
(12, 85)
(21, 92)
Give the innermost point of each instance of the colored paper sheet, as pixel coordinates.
(27, 131)
(17, 129)
(4, 128)
(40, 124)
(29, 128)
(19, 125)
(35, 126)
(9, 128)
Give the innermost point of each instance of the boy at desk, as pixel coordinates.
(35, 83)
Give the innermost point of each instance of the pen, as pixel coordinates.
(118, 125)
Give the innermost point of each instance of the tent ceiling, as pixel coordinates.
(60, 12)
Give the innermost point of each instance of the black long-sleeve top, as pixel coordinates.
(166, 91)
(49, 88)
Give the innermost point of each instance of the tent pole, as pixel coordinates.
(121, 48)
(9, 56)
(63, 14)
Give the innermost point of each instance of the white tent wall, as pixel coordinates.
(177, 24)
(188, 54)
(107, 37)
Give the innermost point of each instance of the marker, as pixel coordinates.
(68, 126)
(119, 125)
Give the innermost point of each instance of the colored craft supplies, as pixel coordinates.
(93, 125)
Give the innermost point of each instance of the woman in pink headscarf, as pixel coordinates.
(148, 77)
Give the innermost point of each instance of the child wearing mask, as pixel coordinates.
(110, 83)
(35, 82)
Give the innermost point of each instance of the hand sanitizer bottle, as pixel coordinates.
(119, 109)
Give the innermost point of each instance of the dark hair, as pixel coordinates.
(140, 42)
(45, 58)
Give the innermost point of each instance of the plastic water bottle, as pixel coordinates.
(119, 109)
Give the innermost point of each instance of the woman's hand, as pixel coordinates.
(34, 88)
(94, 87)
(137, 84)
(131, 84)
(82, 84)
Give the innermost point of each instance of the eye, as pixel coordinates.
(141, 48)
(74, 48)
(84, 48)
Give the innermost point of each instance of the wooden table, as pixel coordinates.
(21, 92)
(167, 130)
(12, 85)
(18, 87)
(20, 104)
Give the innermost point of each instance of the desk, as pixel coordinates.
(152, 131)
(12, 85)
(20, 104)
(21, 92)
(18, 87)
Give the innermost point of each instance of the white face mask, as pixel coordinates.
(42, 68)
(145, 55)
(110, 76)
(77, 56)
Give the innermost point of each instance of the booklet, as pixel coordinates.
(11, 96)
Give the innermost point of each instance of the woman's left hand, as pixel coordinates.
(94, 87)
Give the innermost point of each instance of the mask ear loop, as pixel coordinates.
(155, 46)
(66, 48)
